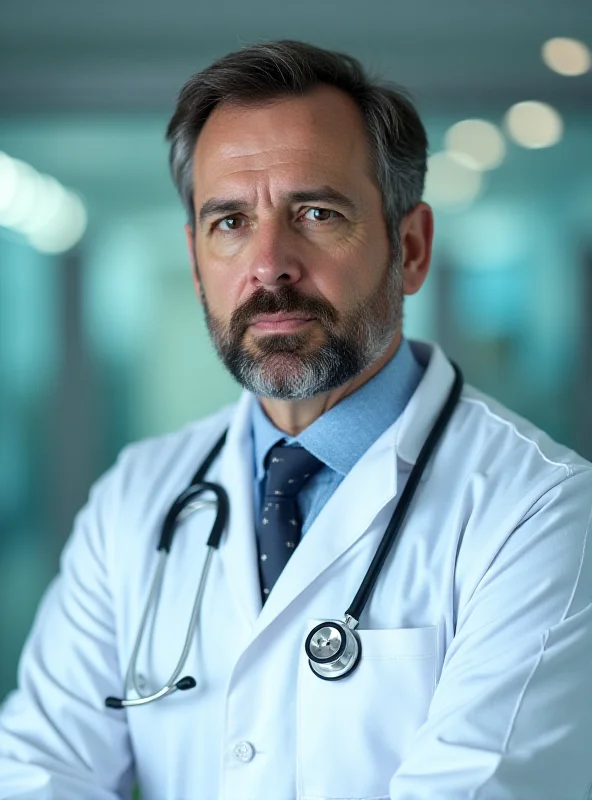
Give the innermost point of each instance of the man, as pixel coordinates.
(303, 182)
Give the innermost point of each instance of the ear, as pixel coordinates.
(416, 234)
(189, 234)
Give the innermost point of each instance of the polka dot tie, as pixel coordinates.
(280, 524)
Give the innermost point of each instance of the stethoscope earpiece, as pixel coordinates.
(333, 649)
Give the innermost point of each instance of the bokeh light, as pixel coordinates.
(476, 143)
(533, 124)
(450, 184)
(52, 218)
(567, 56)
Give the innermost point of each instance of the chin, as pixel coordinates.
(280, 366)
(283, 344)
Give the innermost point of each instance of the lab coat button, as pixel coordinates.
(244, 751)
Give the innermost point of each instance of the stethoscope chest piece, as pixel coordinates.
(333, 650)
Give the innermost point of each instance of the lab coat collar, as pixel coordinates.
(421, 411)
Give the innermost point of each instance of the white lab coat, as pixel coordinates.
(476, 675)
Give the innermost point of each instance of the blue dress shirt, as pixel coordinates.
(340, 436)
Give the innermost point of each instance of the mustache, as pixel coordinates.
(285, 299)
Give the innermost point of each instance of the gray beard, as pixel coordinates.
(282, 368)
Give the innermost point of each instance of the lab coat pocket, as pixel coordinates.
(353, 733)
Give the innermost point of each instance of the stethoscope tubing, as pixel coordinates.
(358, 604)
(184, 505)
(172, 684)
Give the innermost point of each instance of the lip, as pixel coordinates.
(281, 316)
(283, 322)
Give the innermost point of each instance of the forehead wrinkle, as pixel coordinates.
(259, 160)
(264, 180)
(295, 190)
(228, 171)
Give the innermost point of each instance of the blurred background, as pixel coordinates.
(101, 338)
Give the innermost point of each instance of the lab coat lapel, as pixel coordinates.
(362, 494)
(238, 549)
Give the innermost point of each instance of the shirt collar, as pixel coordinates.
(341, 436)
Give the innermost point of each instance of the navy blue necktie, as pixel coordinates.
(280, 524)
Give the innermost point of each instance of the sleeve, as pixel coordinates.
(511, 717)
(57, 739)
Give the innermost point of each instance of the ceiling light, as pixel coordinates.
(51, 217)
(450, 184)
(476, 143)
(566, 56)
(63, 230)
(51, 200)
(533, 124)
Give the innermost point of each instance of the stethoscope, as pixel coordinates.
(333, 647)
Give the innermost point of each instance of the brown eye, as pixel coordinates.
(232, 223)
(320, 214)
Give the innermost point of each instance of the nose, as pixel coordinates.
(274, 257)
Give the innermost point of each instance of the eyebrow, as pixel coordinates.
(324, 194)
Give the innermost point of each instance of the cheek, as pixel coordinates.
(221, 284)
(346, 283)
(223, 296)
(360, 265)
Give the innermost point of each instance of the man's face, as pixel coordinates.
(295, 270)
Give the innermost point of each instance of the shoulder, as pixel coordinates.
(507, 468)
(485, 441)
(495, 432)
(130, 499)
(158, 466)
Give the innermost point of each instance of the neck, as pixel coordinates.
(293, 416)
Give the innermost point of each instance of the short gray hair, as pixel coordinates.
(263, 72)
